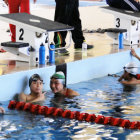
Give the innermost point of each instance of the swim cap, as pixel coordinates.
(58, 75)
(34, 77)
(131, 68)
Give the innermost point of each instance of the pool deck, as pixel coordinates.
(10, 63)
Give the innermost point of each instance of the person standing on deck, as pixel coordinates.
(67, 12)
(17, 6)
(133, 5)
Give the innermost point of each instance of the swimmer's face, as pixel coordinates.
(36, 86)
(56, 85)
(126, 75)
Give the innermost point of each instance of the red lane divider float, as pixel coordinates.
(100, 119)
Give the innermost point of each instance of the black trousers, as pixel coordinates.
(124, 4)
(67, 12)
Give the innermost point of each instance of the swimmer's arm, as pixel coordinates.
(2, 110)
(134, 54)
(121, 78)
(130, 82)
(35, 100)
(137, 57)
(22, 97)
(125, 82)
(41, 97)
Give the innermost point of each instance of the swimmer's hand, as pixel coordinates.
(2, 111)
(133, 52)
(41, 96)
(44, 92)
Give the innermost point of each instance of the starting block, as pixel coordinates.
(31, 31)
(124, 19)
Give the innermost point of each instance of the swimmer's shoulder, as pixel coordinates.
(22, 97)
(72, 92)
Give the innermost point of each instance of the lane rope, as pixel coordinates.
(58, 112)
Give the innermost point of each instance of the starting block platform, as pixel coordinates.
(34, 23)
(32, 31)
(124, 19)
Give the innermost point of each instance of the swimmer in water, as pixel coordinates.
(36, 94)
(58, 87)
(130, 75)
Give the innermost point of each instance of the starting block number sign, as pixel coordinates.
(126, 20)
(33, 38)
(132, 36)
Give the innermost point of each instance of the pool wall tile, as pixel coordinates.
(96, 67)
(16, 83)
(77, 71)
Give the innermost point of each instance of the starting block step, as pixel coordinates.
(17, 48)
(115, 30)
(15, 44)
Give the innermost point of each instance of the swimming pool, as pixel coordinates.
(104, 96)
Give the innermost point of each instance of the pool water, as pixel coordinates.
(104, 96)
(81, 3)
